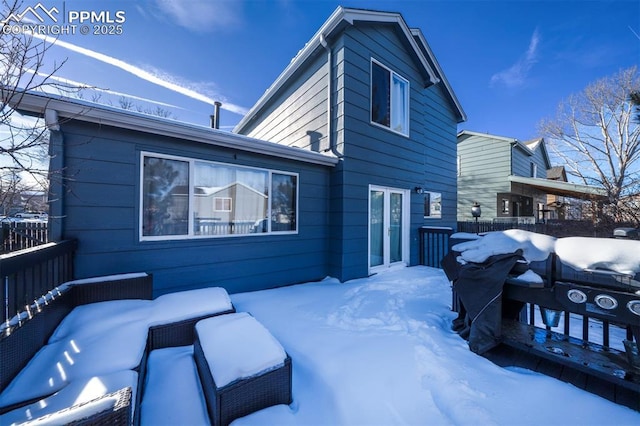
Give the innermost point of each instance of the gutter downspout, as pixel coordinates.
(57, 173)
(332, 143)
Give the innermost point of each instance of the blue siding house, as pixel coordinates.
(367, 89)
(332, 172)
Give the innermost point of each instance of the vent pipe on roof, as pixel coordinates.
(215, 118)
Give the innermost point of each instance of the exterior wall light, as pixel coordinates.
(418, 190)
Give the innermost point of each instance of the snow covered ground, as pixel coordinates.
(371, 351)
(380, 351)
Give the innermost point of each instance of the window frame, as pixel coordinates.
(407, 102)
(190, 235)
(432, 208)
(223, 200)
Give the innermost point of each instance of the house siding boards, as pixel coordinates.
(102, 155)
(486, 162)
(372, 155)
(102, 204)
(484, 166)
(300, 118)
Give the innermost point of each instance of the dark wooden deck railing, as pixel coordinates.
(28, 274)
(434, 244)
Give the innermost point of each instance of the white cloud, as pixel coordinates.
(202, 15)
(516, 75)
(163, 81)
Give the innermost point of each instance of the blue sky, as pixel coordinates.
(509, 62)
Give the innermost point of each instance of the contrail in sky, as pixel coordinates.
(143, 74)
(80, 85)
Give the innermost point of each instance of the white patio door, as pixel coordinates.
(388, 227)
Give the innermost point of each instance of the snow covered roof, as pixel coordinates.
(58, 109)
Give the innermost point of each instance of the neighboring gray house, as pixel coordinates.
(340, 163)
(510, 179)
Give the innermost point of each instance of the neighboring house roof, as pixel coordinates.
(56, 108)
(340, 18)
(212, 190)
(564, 189)
(557, 173)
(528, 147)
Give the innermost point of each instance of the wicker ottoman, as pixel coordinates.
(242, 367)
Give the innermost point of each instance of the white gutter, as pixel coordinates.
(72, 109)
(330, 138)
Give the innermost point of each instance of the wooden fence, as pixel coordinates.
(28, 274)
(22, 235)
(555, 228)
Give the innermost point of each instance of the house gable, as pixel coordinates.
(484, 164)
(323, 101)
(324, 44)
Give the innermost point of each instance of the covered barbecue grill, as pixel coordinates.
(575, 282)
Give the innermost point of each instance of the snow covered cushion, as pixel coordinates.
(101, 317)
(58, 364)
(173, 394)
(75, 393)
(237, 346)
(173, 307)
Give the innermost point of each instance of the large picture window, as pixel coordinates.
(183, 198)
(389, 99)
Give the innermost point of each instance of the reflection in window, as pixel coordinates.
(228, 199)
(283, 202)
(505, 205)
(389, 99)
(165, 203)
(222, 204)
(433, 205)
(221, 199)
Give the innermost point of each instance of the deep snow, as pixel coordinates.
(374, 351)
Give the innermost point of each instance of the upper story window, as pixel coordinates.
(534, 170)
(188, 198)
(389, 99)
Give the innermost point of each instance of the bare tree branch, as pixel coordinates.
(596, 133)
(23, 140)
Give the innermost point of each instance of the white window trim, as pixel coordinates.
(407, 102)
(191, 235)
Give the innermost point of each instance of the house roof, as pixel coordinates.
(557, 173)
(58, 109)
(564, 189)
(337, 21)
(528, 147)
